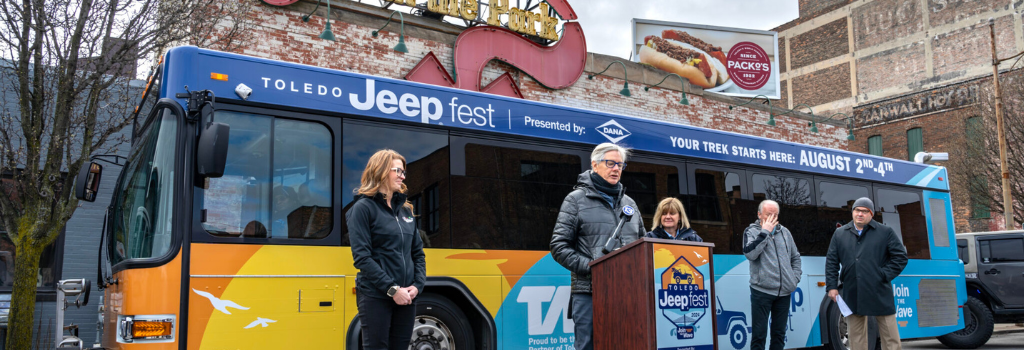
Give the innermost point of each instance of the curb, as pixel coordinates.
(994, 333)
(1008, 331)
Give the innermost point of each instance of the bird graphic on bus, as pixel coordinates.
(260, 321)
(220, 304)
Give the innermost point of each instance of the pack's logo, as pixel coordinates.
(682, 297)
(613, 131)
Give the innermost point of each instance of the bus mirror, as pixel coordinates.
(212, 151)
(88, 182)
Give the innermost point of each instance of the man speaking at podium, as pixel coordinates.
(587, 223)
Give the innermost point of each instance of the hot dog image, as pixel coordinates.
(692, 58)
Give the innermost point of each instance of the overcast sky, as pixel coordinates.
(606, 23)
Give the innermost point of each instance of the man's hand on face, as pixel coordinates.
(768, 224)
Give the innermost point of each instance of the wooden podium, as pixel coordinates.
(655, 294)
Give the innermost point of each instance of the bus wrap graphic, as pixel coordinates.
(683, 297)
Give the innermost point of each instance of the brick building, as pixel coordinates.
(909, 72)
(281, 34)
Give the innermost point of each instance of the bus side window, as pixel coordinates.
(835, 209)
(903, 212)
(647, 184)
(717, 208)
(277, 183)
(426, 160)
(510, 197)
(796, 208)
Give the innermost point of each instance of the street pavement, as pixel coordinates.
(1004, 336)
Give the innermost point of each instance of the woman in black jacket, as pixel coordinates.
(670, 222)
(388, 253)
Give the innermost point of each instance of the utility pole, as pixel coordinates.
(1007, 199)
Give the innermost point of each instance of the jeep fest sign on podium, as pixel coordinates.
(655, 294)
(682, 281)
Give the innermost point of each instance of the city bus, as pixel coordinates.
(227, 227)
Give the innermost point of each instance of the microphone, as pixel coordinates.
(626, 215)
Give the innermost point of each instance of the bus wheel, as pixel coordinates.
(440, 325)
(978, 325)
(838, 335)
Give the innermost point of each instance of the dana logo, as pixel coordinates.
(682, 297)
(613, 131)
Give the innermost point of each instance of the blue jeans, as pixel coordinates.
(761, 305)
(583, 315)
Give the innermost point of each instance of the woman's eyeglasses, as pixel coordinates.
(401, 172)
(611, 164)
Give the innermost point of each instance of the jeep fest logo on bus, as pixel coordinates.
(749, 66)
(682, 297)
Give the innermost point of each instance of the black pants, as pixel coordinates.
(385, 325)
(583, 316)
(761, 305)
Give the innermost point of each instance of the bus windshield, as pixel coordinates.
(142, 208)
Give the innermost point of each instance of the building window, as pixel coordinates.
(875, 145)
(978, 190)
(975, 130)
(915, 143)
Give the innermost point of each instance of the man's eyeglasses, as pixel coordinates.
(401, 172)
(862, 211)
(611, 164)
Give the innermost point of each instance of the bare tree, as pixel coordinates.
(787, 191)
(65, 75)
(974, 162)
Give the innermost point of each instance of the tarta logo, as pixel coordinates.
(557, 300)
(613, 131)
(682, 297)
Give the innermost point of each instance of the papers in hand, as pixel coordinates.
(843, 308)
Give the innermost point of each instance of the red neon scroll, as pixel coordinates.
(556, 67)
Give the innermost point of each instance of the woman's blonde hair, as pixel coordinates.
(667, 206)
(375, 176)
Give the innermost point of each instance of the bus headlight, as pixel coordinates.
(145, 329)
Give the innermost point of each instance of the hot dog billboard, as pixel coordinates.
(730, 61)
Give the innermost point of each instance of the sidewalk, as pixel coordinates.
(1007, 328)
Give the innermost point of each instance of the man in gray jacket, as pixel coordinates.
(774, 273)
(586, 221)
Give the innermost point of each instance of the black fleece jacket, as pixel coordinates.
(386, 247)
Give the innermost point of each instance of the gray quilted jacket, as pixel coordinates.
(585, 223)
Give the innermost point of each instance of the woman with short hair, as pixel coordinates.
(670, 222)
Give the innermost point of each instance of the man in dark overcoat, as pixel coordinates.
(871, 256)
